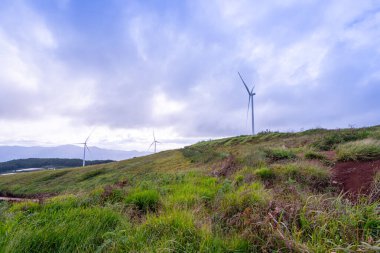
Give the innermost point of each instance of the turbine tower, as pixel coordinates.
(85, 147)
(250, 102)
(154, 143)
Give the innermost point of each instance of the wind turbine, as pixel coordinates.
(154, 143)
(85, 147)
(250, 102)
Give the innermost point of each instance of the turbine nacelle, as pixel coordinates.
(85, 147)
(154, 143)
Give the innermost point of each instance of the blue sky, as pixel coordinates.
(126, 67)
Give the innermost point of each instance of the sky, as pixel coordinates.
(124, 68)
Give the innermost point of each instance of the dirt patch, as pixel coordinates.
(41, 197)
(330, 155)
(227, 167)
(9, 199)
(355, 177)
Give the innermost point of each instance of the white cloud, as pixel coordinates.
(173, 68)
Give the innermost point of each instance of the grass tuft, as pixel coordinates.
(359, 150)
(265, 173)
(312, 155)
(145, 201)
(276, 154)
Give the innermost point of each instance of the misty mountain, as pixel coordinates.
(8, 153)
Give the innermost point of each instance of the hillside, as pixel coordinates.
(8, 153)
(17, 164)
(284, 192)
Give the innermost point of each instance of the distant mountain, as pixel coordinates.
(34, 163)
(8, 153)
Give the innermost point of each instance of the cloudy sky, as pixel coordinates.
(128, 67)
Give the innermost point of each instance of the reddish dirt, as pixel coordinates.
(17, 199)
(331, 154)
(355, 177)
(227, 167)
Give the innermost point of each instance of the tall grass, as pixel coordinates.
(69, 230)
(368, 149)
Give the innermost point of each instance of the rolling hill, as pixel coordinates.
(48, 163)
(8, 153)
(273, 192)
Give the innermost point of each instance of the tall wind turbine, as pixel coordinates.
(85, 147)
(154, 143)
(250, 102)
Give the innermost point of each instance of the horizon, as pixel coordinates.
(128, 68)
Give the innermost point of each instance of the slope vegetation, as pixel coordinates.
(271, 192)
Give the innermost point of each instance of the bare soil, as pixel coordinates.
(10, 199)
(355, 177)
(227, 167)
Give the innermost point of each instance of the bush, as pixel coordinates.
(145, 201)
(279, 154)
(359, 150)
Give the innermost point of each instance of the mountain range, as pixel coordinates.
(8, 153)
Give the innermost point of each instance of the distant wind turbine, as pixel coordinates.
(250, 102)
(85, 147)
(154, 143)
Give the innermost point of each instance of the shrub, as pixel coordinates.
(359, 150)
(279, 154)
(145, 201)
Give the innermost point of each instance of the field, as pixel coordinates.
(313, 191)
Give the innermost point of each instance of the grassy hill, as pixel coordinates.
(264, 193)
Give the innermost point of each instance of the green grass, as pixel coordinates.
(276, 154)
(66, 230)
(145, 201)
(312, 155)
(331, 140)
(265, 173)
(275, 199)
(366, 150)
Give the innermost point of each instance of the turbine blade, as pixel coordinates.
(154, 137)
(249, 103)
(253, 89)
(244, 83)
(90, 135)
(150, 146)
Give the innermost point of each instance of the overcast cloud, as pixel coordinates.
(126, 67)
